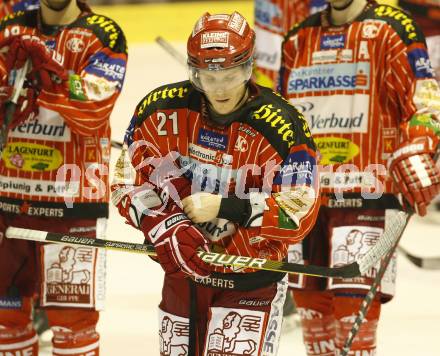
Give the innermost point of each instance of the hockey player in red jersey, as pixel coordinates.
(221, 164)
(273, 18)
(54, 169)
(361, 75)
(9, 6)
(427, 14)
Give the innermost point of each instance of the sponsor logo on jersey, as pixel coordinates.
(10, 303)
(343, 203)
(163, 94)
(268, 49)
(297, 168)
(273, 117)
(28, 209)
(427, 94)
(209, 176)
(69, 275)
(102, 65)
(26, 5)
(212, 139)
(209, 155)
(328, 77)
(406, 21)
(48, 126)
(336, 150)
(389, 136)
(31, 157)
(333, 41)
(215, 39)
(216, 282)
(269, 15)
(332, 55)
(107, 25)
(370, 30)
(247, 131)
(51, 44)
(420, 63)
(347, 181)
(75, 45)
(325, 114)
(241, 145)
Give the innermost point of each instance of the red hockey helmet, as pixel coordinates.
(219, 42)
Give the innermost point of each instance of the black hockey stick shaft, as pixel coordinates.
(421, 262)
(368, 299)
(351, 270)
(116, 144)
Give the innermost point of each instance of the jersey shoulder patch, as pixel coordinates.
(279, 121)
(107, 31)
(401, 22)
(311, 21)
(20, 18)
(170, 96)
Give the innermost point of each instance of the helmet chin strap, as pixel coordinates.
(343, 7)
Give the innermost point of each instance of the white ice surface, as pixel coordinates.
(409, 325)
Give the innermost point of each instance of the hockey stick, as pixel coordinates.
(421, 262)
(373, 288)
(116, 144)
(171, 50)
(11, 105)
(348, 271)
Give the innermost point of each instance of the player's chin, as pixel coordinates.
(57, 5)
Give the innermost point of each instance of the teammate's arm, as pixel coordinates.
(410, 76)
(87, 97)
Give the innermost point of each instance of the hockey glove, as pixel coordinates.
(176, 242)
(26, 108)
(414, 171)
(46, 72)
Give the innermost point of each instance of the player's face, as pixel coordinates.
(224, 88)
(56, 5)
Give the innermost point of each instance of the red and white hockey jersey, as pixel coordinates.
(273, 18)
(9, 6)
(266, 147)
(426, 13)
(62, 155)
(359, 86)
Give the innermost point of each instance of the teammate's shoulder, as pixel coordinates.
(169, 96)
(20, 18)
(276, 119)
(105, 29)
(311, 21)
(399, 20)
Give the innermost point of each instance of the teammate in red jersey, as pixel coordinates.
(9, 6)
(225, 164)
(273, 18)
(361, 74)
(54, 169)
(427, 15)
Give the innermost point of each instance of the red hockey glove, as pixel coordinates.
(46, 72)
(26, 108)
(176, 242)
(416, 174)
